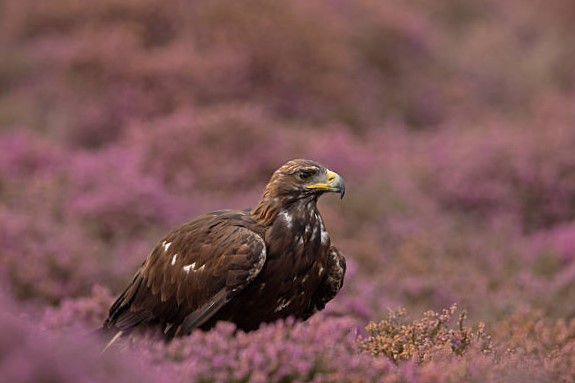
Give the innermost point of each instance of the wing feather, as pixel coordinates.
(191, 274)
(202, 314)
(332, 282)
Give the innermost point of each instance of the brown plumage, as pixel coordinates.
(246, 267)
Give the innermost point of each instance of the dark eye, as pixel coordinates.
(305, 174)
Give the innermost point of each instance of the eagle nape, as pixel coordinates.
(247, 267)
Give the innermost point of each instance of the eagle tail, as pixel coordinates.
(113, 340)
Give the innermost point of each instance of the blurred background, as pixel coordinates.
(452, 122)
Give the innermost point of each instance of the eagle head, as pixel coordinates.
(305, 178)
(296, 180)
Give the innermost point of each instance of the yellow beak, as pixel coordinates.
(333, 183)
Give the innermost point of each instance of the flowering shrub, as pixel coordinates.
(421, 339)
(28, 354)
(526, 177)
(329, 348)
(318, 351)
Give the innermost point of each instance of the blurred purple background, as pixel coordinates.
(452, 122)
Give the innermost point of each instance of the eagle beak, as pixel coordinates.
(334, 183)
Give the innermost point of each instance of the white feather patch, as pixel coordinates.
(288, 219)
(187, 268)
(324, 236)
(282, 304)
(192, 267)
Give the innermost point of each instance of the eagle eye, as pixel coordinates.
(305, 174)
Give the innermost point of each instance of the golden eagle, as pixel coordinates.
(247, 267)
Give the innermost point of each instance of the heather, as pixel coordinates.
(31, 354)
(451, 122)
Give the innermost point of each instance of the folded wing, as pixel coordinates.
(191, 274)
